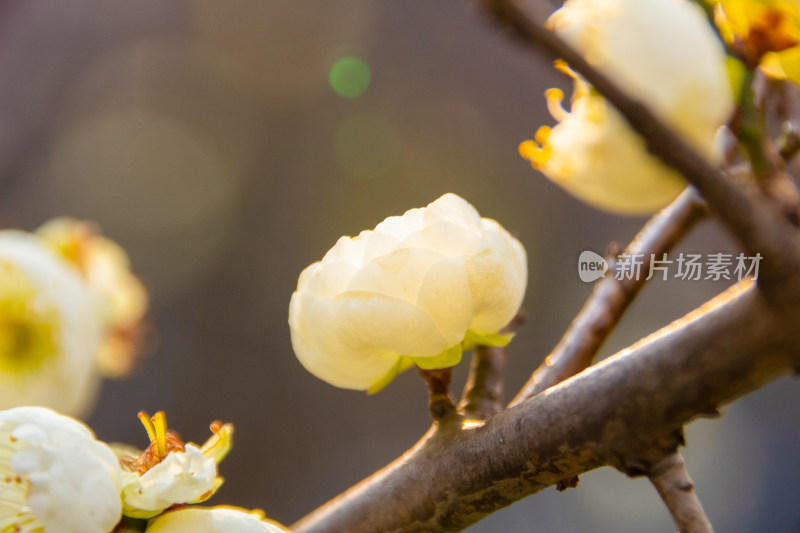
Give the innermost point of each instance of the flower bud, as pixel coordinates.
(411, 291)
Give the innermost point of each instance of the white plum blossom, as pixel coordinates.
(213, 520)
(170, 472)
(411, 291)
(663, 53)
(49, 328)
(54, 476)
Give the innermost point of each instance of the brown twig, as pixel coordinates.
(483, 393)
(611, 297)
(741, 206)
(627, 411)
(440, 403)
(789, 140)
(673, 484)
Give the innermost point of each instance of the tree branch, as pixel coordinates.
(627, 411)
(677, 490)
(611, 297)
(747, 213)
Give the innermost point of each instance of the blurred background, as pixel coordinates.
(227, 145)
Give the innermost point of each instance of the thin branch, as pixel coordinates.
(741, 206)
(483, 393)
(789, 140)
(627, 411)
(440, 403)
(611, 297)
(675, 487)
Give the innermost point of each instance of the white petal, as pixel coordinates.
(328, 279)
(453, 208)
(446, 238)
(397, 274)
(445, 295)
(497, 279)
(215, 520)
(181, 477)
(73, 479)
(347, 250)
(400, 227)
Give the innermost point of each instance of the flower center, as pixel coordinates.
(27, 332)
(162, 442)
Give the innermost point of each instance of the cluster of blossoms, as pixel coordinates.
(56, 477)
(70, 312)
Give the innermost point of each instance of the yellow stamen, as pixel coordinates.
(554, 98)
(542, 134)
(148, 425)
(562, 66)
(160, 422)
(537, 155)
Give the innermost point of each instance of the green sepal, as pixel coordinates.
(449, 357)
(473, 338)
(403, 363)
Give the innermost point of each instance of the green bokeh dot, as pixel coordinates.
(350, 77)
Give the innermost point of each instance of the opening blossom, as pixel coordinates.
(49, 332)
(54, 476)
(170, 471)
(214, 520)
(662, 53)
(415, 290)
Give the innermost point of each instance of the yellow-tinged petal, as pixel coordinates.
(221, 519)
(219, 445)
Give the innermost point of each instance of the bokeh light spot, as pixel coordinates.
(366, 146)
(350, 77)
